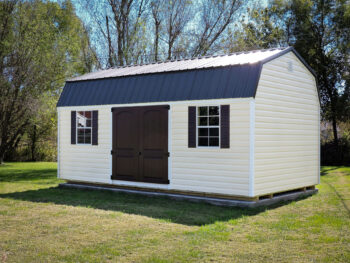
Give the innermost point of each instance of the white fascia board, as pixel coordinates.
(197, 102)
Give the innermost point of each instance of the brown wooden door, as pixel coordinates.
(140, 144)
(125, 149)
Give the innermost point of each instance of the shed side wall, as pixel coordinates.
(89, 163)
(215, 170)
(286, 128)
(209, 170)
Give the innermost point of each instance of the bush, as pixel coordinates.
(45, 151)
(332, 154)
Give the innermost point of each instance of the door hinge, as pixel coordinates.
(167, 107)
(168, 154)
(112, 152)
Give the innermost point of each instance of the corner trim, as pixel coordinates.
(251, 148)
(58, 143)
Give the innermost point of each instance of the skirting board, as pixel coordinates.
(209, 200)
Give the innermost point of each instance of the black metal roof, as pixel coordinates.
(211, 80)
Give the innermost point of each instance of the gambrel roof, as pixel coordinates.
(216, 77)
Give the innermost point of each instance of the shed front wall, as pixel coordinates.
(208, 170)
(287, 119)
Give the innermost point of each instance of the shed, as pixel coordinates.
(242, 126)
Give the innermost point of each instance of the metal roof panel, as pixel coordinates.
(188, 64)
(209, 83)
(219, 77)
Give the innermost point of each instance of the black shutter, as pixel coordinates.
(73, 127)
(191, 127)
(95, 127)
(225, 126)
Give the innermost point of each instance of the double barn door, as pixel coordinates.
(140, 144)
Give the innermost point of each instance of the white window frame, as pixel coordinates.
(215, 126)
(85, 128)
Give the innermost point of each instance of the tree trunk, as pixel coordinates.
(2, 153)
(156, 41)
(34, 139)
(110, 48)
(334, 102)
(335, 132)
(170, 49)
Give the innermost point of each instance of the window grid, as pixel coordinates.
(86, 138)
(208, 126)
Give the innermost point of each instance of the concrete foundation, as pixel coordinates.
(210, 200)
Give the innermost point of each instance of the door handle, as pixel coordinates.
(139, 153)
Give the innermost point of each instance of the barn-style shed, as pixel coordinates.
(242, 126)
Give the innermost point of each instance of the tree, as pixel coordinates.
(156, 7)
(43, 125)
(41, 45)
(177, 13)
(215, 16)
(260, 28)
(319, 30)
(128, 19)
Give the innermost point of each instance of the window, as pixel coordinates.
(84, 127)
(208, 126)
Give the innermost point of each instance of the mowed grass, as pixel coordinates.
(40, 222)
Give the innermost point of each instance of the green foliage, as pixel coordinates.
(261, 29)
(42, 44)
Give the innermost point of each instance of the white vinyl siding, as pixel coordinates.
(212, 170)
(85, 162)
(208, 169)
(286, 127)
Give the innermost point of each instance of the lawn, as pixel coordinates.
(40, 222)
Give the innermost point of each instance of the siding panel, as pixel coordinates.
(210, 170)
(85, 162)
(287, 127)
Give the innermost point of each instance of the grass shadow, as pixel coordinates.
(328, 169)
(181, 212)
(28, 175)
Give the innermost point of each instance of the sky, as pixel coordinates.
(97, 11)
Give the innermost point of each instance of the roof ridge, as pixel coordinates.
(201, 57)
(180, 64)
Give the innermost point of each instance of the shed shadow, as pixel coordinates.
(181, 212)
(29, 175)
(328, 169)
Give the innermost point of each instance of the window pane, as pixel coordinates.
(214, 110)
(203, 141)
(213, 141)
(81, 119)
(80, 132)
(213, 120)
(203, 132)
(88, 136)
(80, 135)
(203, 121)
(214, 132)
(88, 114)
(203, 111)
(88, 123)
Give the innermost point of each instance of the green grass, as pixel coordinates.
(40, 222)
